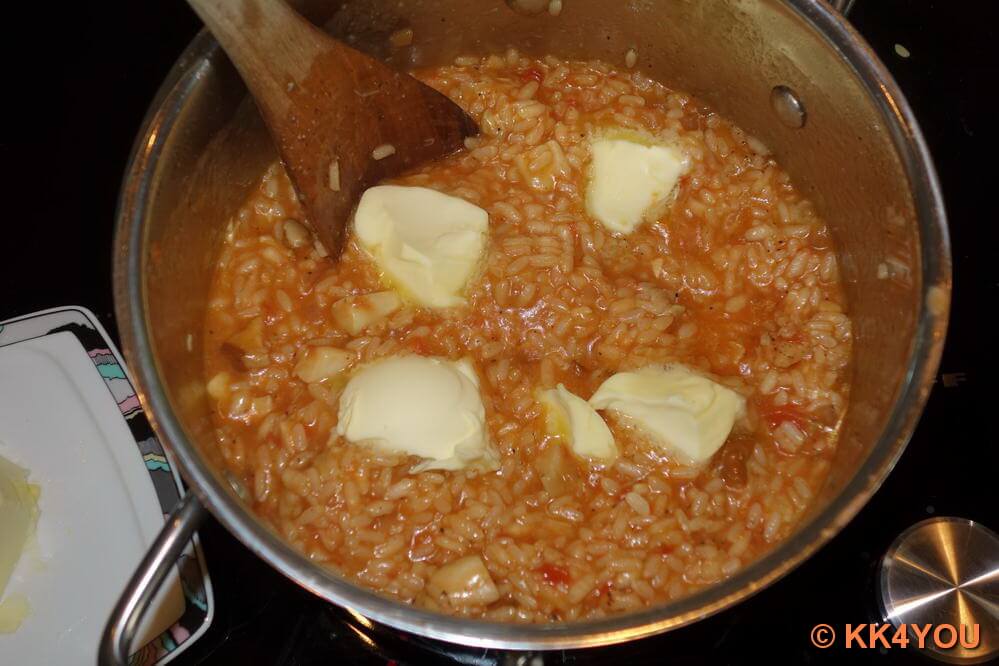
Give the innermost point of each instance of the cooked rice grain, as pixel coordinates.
(738, 278)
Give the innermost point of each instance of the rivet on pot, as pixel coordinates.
(788, 107)
(528, 7)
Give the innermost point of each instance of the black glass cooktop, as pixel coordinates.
(77, 80)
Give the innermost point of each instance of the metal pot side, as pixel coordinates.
(860, 157)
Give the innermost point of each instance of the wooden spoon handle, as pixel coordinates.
(341, 120)
(270, 44)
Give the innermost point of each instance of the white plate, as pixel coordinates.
(70, 415)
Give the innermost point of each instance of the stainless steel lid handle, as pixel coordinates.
(943, 573)
(147, 579)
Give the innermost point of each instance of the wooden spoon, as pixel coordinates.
(341, 120)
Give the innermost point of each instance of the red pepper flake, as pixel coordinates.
(420, 346)
(532, 73)
(554, 574)
(604, 589)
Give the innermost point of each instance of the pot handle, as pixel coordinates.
(121, 627)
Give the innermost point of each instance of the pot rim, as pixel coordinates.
(364, 604)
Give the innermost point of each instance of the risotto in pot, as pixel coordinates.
(591, 363)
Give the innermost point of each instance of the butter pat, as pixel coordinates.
(13, 610)
(686, 414)
(631, 180)
(18, 513)
(427, 244)
(426, 407)
(572, 418)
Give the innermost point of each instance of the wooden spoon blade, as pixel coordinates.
(340, 119)
(353, 122)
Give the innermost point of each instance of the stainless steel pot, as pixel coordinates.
(792, 72)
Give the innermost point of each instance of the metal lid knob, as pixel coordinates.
(945, 571)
